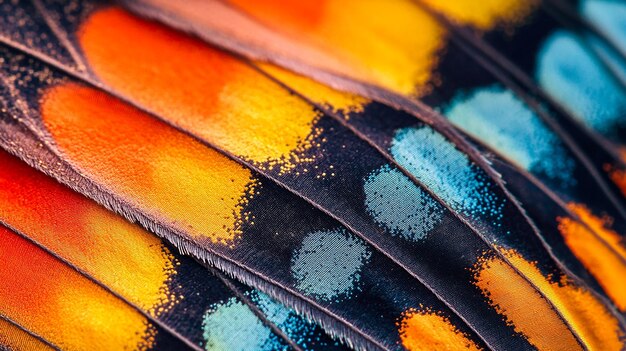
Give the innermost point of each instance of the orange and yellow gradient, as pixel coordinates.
(486, 14)
(15, 339)
(531, 315)
(600, 250)
(51, 299)
(205, 91)
(152, 166)
(323, 95)
(224, 101)
(122, 256)
(397, 48)
(425, 330)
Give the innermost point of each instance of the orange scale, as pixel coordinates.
(377, 49)
(121, 255)
(530, 313)
(16, 339)
(424, 330)
(163, 172)
(199, 88)
(37, 289)
(600, 249)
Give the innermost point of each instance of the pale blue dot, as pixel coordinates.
(447, 172)
(572, 76)
(610, 17)
(499, 119)
(328, 264)
(233, 326)
(399, 205)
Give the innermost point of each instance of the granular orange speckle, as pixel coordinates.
(599, 249)
(425, 330)
(199, 88)
(531, 315)
(15, 339)
(54, 301)
(151, 165)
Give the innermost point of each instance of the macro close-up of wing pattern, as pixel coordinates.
(313, 175)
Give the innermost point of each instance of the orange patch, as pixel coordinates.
(397, 48)
(599, 249)
(532, 316)
(129, 260)
(198, 88)
(54, 301)
(163, 172)
(15, 339)
(618, 177)
(394, 44)
(425, 330)
(296, 15)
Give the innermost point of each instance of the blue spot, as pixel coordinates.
(399, 205)
(609, 16)
(302, 332)
(500, 120)
(572, 76)
(447, 172)
(233, 326)
(328, 264)
(275, 312)
(610, 57)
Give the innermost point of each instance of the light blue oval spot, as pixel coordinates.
(328, 264)
(499, 119)
(572, 76)
(447, 172)
(396, 203)
(609, 16)
(233, 326)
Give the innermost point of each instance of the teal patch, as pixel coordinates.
(328, 264)
(499, 119)
(399, 205)
(233, 326)
(575, 78)
(447, 172)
